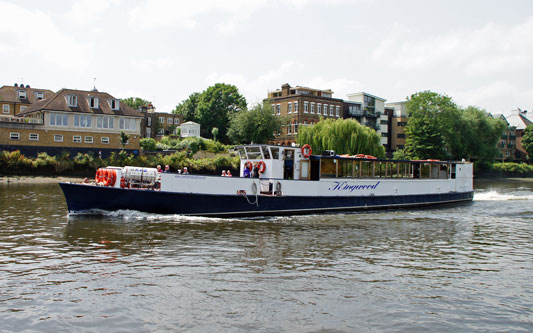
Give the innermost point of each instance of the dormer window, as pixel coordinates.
(72, 100)
(114, 104)
(22, 94)
(93, 102)
(39, 95)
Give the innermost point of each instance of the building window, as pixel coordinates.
(72, 100)
(88, 139)
(295, 128)
(39, 95)
(76, 139)
(149, 121)
(319, 108)
(312, 108)
(93, 102)
(295, 110)
(273, 109)
(383, 122)
(384, 134)
(22, 94)
(289, 107)
(161, 120)
(23, 108)
(401, 136)
(148, 132)
(402, 123)
(5, 108)
(104, 122)
(14, 136)
(400, 146)
(34, 137)
(81, 120)
(306, 107)
(337, 111)
(114, 104)
(278, 109)
(176, 121)
(325, 109)
(289, 129)
(169, 121)
(331, 110)
(104, 140)
(127, 124)
(58, 138)
(58, 119)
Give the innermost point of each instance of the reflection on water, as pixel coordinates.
(460, 268)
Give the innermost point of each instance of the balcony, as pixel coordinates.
(20, 120)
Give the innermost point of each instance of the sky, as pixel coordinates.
(477, 52)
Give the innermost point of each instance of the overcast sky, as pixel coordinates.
(478, 52)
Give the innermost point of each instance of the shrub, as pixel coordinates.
(148, 144)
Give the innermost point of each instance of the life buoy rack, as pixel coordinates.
(360, 156)
(262, 166)
(370, 157)
(306, 150)
(249, 165)
(111, 178)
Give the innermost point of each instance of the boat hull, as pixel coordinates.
(88, 198)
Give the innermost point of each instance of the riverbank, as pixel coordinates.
(38, 179)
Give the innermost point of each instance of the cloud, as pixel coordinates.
(153, 64)
(39, 35)
(86, 11)
(491, 49)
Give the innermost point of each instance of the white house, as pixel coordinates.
(190, 128)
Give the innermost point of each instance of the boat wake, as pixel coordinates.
(495, 196)
(133, 215)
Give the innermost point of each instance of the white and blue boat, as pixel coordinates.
(290, 181)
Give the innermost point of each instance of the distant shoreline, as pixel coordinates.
(38, 179)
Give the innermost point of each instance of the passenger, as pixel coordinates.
(256, 170)
(159, 168)
(228, 174)
(246, 172)
(167, 168)
(223, 173)
(185, 171)
(179, 171)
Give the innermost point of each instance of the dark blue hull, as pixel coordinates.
(86, 198)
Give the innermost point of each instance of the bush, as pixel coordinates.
(148, 144)
(513, 168)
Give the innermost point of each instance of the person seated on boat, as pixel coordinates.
(159, 168)
(185, 171)
(167, 168)
(228, 174)
(223, 173)
(256, 171)
(246, 172)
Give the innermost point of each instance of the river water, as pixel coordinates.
(464, 268)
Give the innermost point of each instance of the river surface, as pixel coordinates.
(465, 268)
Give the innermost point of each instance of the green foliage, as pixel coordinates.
(187, 108)
(214, 131)
(257, 125)
(527, 141)
(513, 168)
(124, 138)
(148, 144)
(344, 136)
(400, 154)
(135, 102)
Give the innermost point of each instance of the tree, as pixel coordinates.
(344, 136)
(257, 125)
(214, 131)
(148, 144)
(135, 102)
(215, 107)
(124, 138)
(187, 107)
(527, 141)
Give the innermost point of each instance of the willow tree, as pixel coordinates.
(344, 136)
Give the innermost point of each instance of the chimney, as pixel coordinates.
(285, 89)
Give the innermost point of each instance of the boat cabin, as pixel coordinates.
(282, 162)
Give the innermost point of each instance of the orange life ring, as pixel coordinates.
(111, 178)
(105, 177)
(370, 157)
(122, 182)
(306, 150)
(360, 156)
(262, 166)
(97, 176)
(249, 165)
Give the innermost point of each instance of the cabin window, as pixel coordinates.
(266, 153)
(275, 153)
(328, 168)
(254, 153)
(424, 170)
(367, 169)
(346, 168)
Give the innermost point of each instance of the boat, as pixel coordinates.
(288, 181)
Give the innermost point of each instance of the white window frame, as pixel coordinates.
(63, 119)
(58, 137)
(331, 107)
(39, 95)
(289, 129)
(94, 101)
(312, 108)
(14, 135)
(83, 120)
(161, 120)
(325, 109)
(176, 121)
(33, 136)
(104, 122)
(23, 108)
(104, 140)
(128, 124)
(278, 109)
(72, 100)
(306, 107)
(337, 111)
(148, 132)
(169, 121)
(295, 109)
(22, 94)
(114, 104)
(319, 108)
(149, 121)
(289, 107)
(88, 139)
(6, 108)
(76, 138)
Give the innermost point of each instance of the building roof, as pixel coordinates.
(10, 94)
(518, 119)
(190, 123)
(367, 94)
(58, 102)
